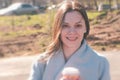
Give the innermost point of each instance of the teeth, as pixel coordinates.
(72, 38)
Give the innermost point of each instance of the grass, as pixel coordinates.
(23, 26)
(45, 20)
(94, 14)
(24, 20)
(28, 20)
(12, 34)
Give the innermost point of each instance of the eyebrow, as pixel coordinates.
(76, 22)
(79, 22)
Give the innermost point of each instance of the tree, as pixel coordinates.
(33, 2)
(110, 1)
(95, 2)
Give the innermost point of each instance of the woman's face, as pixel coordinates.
(73, 29)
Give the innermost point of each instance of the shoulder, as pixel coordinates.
(100, 56)
(38, 61)
(37, 69)
(104, 67)
(102, 59)
(97, 55)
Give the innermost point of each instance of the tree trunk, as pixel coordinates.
(110, 1)
(96, 6)
(33, 2)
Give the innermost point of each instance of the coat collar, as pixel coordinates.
(57, 63)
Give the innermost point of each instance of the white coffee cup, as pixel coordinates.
(70, 73)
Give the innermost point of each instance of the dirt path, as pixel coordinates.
(18, 68)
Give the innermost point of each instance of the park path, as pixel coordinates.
(18, 68)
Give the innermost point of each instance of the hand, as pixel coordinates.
(69, 77)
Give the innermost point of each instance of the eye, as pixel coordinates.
(65, 25)
(78, 25)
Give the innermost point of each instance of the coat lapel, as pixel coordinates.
(75, 60)
(57, 63)
(54, 65)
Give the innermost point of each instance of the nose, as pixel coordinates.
(72, 30)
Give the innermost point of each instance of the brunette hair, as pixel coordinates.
(65, 7)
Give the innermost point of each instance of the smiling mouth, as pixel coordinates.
(72, 38)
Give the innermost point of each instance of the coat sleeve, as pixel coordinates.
(37, 71)
(104, 70)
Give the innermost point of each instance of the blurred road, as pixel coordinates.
(18, 68)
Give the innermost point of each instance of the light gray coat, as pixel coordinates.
(92, 66)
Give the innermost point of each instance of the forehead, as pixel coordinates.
(73, 16)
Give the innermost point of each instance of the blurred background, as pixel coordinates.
(26, 26)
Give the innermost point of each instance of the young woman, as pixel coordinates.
(70, 49)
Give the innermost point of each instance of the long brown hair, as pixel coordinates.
(65, 7)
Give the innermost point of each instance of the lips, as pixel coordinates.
(72, 38)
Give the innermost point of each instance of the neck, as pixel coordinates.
(69, 51)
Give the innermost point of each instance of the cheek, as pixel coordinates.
(63, 32)
(80, 32)
(62, 35)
